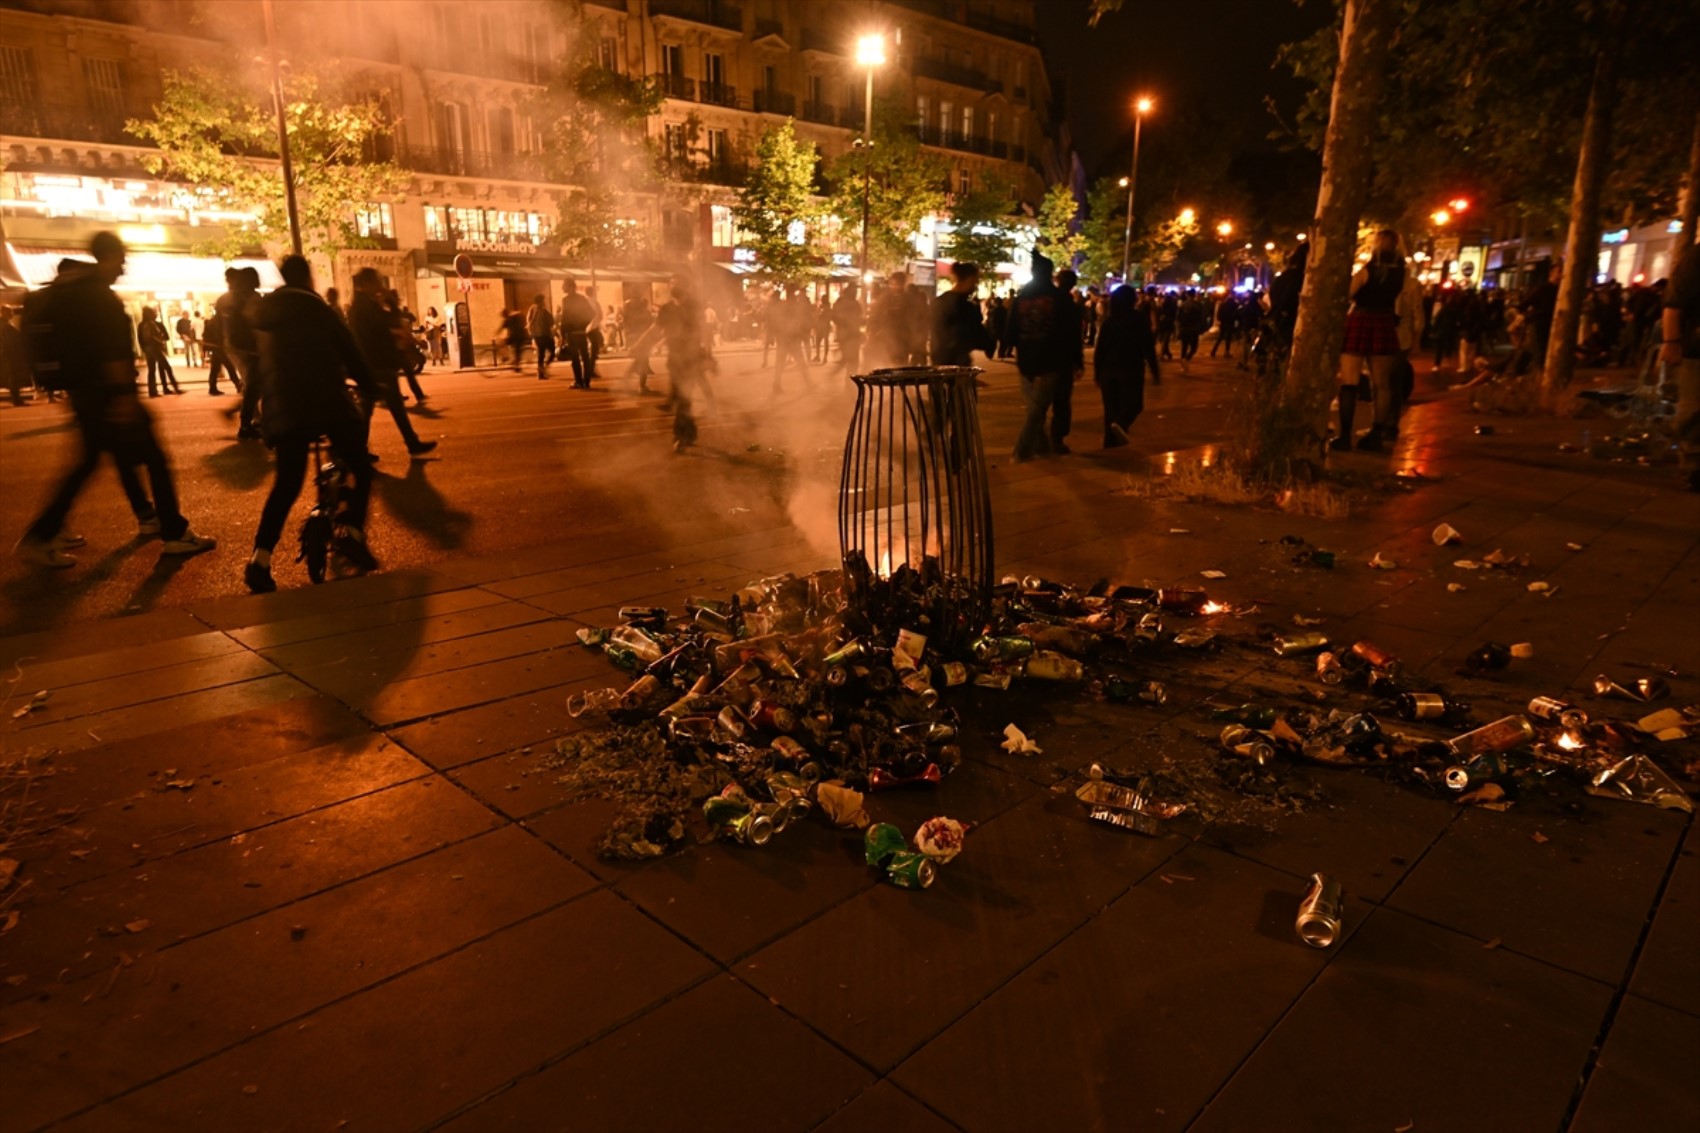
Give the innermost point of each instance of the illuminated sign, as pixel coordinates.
(502, 247)
(1617, 237)
(842, 260)
(743, 255)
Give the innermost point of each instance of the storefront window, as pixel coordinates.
(436, 222)
(503, 226)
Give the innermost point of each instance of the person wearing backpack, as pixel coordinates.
(80, 341)
(540, 325)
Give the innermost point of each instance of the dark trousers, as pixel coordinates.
(160, 375)
(545, 344)
(851, 350)
(684, 422)
(787, 350)
(241, 365)
(1124, 401)
(348, 446)
(577, 343)
(216, 363)
(391, 386)
(1189, 346)
(130, 442)
(1062, 408)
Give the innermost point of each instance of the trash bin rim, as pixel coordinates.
(914, 375)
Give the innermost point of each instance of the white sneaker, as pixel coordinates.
(187, 543)
(48, 555)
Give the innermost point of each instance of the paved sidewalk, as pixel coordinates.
(312, 876)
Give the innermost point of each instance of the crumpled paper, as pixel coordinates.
(941, 838)
(841, 805)
(1015, 742)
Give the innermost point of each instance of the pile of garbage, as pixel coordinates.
(787, 698)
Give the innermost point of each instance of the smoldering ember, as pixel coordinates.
(865, 564)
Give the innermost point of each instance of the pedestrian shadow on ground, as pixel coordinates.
(63, 426)
(42, 597)
(240, 464)
(415, 502)
(147, 594)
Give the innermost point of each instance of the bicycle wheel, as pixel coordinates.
(316, 531)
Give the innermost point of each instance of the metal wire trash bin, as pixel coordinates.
(914, 511)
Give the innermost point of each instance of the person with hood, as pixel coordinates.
(1126, 346)
(306, 357)
(1047, 341)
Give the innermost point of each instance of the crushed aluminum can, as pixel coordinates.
(1248, 743)
(593, 637)
(1102, 792)
(845, 654)
(1505, 734)
(1367, 653)
(955, 673)
(1136, 821)
(1194, 638)
(640, 692)
(880, 841)
(644, 615)
(1149, 628)
(910, 869)
(1328, 669)
(1293, 644)
(1046, 665)
(1638, 779)
(1556, 711)
(1643, 689)
(993, 678)
(1321, 912)
(1182, 599)
(771, 716)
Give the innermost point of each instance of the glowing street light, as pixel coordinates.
(1141, 107)
(1301, 237)
(1440, 217)
(1458, 204)
(1225, 229)
(1122, 182)
(870, 53)
(1188, 216)
(1269, 245)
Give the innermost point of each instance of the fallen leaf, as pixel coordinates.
(1539, 838)
(1454, 587)
(1213, 573)
(181, 784)
(139, 925)
(1573, 546)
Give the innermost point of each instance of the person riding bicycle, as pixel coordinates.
(306, 357)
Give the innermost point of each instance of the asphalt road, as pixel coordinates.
(521, 463)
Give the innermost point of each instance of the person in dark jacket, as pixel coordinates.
(1062, 406)
(847, 325)
(235, 311)
(957, 329)
(1126, 346)
(374, 327)
(572, 325)
(1047, 341)
(306, 355)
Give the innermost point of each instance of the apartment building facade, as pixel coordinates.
(457, 81)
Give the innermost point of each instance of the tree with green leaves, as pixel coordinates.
(777, 212)
(904, 185)
(1059, 237)
(983, 230)
(219, 135)
(592, 120)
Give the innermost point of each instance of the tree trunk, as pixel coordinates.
(1689, 211)
(1582, 245)
(1293, 424)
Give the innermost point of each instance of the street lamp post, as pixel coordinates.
(283, 134)
(870, 53)
(1141, 108)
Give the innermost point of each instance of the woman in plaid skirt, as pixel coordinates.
(1372, 339)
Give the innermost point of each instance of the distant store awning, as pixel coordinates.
(159, 273)
(526, 269)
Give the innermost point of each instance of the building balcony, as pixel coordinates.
(765, 28)
(719, 171)
(775, 102)
(824, 113)
(473, 163)
(676, 86)
(714, 13)
(718, 94)
(929, 68)
(1004, 29)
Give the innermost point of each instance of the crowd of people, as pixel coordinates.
(308, 368)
